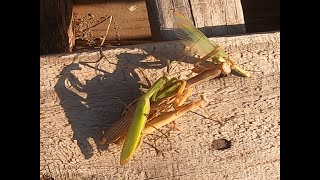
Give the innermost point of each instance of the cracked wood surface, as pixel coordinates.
(77, 102)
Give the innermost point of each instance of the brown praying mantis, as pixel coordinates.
(196, 41)
(164, 101)
(153, 110)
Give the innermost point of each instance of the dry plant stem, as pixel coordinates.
(108, 27)
(84, 30)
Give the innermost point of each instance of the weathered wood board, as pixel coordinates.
(213, 17)
(56, 26)
(77, 102)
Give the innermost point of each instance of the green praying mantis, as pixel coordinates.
(153, 109)
(139, 126)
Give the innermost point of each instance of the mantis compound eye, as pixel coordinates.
(226, 69)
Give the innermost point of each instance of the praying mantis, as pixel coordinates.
(194, 39)
(138, 127)
(152, 110)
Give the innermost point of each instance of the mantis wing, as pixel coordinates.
(193, 37)
(199, 43)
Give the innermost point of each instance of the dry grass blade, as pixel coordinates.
(108, 27)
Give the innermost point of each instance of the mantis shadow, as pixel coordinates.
(93, 105)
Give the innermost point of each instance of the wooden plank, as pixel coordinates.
(77, 103)
(56, 31)
(161, 17)
(219, 17)
(213, 17)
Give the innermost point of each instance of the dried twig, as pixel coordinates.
(108, 27)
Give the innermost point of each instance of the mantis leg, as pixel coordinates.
(180, 100)
(182, 96)
(167, 117)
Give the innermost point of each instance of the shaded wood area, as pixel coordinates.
(261, 15)
(213, 18)
(56, 28)
(79, 99)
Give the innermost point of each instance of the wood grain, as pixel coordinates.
(77, 104)
(213, 17)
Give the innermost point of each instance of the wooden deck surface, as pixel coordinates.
(78, 102)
